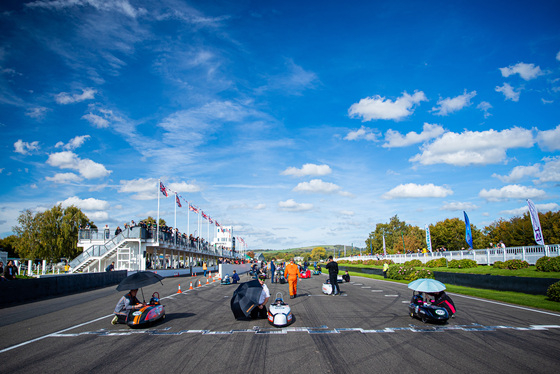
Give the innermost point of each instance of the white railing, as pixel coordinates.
(482, 256)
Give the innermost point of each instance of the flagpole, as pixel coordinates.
(157, 222)
(175, 224)
(188, 218)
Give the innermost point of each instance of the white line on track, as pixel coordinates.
(71, 328)
(510, 305)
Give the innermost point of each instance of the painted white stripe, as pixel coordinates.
(508, 305)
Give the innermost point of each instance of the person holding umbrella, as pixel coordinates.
(260, 310)
(126, 304)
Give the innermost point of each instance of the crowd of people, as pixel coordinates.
(8, 272)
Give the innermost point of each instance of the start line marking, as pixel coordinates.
(309, 330)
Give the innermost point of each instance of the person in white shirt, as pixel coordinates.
(260, 310)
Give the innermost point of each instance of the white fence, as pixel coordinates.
(482, 256)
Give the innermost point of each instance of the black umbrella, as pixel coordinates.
(245, 298)
(138, 280)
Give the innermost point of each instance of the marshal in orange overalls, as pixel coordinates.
(292, 274)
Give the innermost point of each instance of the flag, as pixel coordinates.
(468, 233)
(428, 239)
(193, 208)
(210, 220)
(203, 215)
(384, 248)
(536, 223)
(178, 201)
(163, 189)
(217, 224)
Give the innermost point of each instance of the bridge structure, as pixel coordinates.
(482, 256)
(139, 248)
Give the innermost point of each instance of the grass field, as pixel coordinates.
(518, 298)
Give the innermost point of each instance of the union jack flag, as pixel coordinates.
(204, 215)
(178, 201)
(193, 208)
(163, 189)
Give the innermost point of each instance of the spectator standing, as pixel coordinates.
(204, 268)
(332, 267)
(272, 271)
(235, 277)
(260, 310)
(385, 268)
(10, 271)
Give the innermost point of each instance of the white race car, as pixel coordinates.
(280, 313)
(327, 287)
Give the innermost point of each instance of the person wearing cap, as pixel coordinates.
(292, 273)
(260, 310)
(126, 304)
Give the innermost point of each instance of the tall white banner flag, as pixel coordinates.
(384, 249)
(428, 239)
(536, 223)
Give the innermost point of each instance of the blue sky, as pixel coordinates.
(298, 123)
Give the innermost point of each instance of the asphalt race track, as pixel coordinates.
(367, 329)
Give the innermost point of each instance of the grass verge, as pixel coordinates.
(534, 301)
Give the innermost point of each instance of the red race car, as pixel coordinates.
(305, 274)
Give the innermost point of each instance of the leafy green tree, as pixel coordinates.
(392, 232)
(414, 238)
(450, 234)
(8, 244)
(50, 235)
(318, 253)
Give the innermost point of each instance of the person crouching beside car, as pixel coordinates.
(260, 310)
(126, 304)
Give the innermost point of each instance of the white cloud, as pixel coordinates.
(308, 169)
(144, 189)
(291, 206)
(96, 120)
(64, 178)
(378, 107)
(97, 216)
(86, 167)
(74, 143)
(413, 190)
(549, 139)
(458, 206)
(395, 139)
(509, 92)
(347, 213)
(558, 56)
(550, 170)
(485, 107)
(518, 173)
(453, 104)
(66, 98)
(317, 186)
(542, 208)
(24, 148)
(120, 6)
(525, 71)
(86, 204)
(259, 207)
(37, 112)
(183, 187)
(362, 133)
(474, 147)
(513, 191)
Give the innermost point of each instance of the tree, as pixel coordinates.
(414, 238)
(392, 232)
(8, 244)
(450, 234)
(50, 235)
(318, 253)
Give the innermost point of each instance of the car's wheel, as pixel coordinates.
(424, 319)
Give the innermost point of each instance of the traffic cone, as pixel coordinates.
(207, 281)
(190, 288)
(199, 285)
(179, 291)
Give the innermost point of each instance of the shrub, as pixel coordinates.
(553, 292)
(462, 264)
(424, 273)
(438, 263)
(516, 264)
(416, 263)
(400, 272)
(548, 264)
(499, 265)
